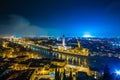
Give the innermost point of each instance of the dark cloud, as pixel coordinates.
(18, 25)
(57, 17)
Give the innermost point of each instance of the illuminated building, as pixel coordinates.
(5, 44)
(19, 67)
(62, 46)
(46, 69)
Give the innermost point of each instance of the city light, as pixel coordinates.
(118, 72)
(60, 40)
(86, 35)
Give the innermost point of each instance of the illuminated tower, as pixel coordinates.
(63, 40)
(79, 46)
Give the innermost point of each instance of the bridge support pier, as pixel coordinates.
(67, 58)
(78, 61)
(58, 56)
(73, 60)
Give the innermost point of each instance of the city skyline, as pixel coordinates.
(59, 39)
(54, 18)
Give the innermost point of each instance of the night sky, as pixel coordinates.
(99, 18)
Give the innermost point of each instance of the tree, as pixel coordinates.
(57, 74)
(70, 77)
(106, 75)
(64, 75)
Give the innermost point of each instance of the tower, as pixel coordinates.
(79, 46)
(63, 40)
(78, 43)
